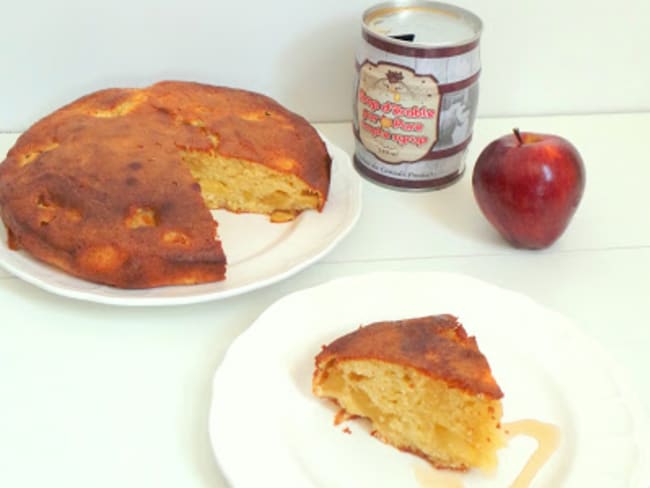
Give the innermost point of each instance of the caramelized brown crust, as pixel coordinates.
(98, 188)
(437, 346)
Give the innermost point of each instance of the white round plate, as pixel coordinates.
(277, 251)
(267, 429)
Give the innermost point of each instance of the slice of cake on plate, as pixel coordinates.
(423, 383)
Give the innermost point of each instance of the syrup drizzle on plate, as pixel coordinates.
(548, 440)
(429, 477)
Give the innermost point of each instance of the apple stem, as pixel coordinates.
(517, 135)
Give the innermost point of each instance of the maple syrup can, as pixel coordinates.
(416, 93)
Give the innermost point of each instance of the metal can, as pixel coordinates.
(416, 93)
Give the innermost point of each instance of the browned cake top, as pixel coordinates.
(436, 345)
(98, 187)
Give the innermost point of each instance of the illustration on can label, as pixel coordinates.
(397, 111)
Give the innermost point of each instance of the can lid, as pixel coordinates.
(423, 23)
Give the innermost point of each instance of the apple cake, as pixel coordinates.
(424, 385)
(117, 186)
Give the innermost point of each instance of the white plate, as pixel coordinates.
(277, 251)
(267, 429)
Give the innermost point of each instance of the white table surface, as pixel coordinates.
(104, 396)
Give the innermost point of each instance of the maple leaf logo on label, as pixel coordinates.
(394, 76)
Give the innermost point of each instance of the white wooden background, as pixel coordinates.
(551, 57)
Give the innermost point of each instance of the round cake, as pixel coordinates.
(117, 186)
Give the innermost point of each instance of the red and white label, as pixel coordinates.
(397, 112)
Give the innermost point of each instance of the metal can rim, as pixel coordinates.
(472, 19)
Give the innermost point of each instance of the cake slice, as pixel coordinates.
(424, 385)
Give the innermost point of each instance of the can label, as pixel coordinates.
(397, 111)
(415, 102)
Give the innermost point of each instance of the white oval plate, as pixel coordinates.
(267, 429)
(276, 252)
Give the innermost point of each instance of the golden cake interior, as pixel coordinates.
(245, 186)
(450, 428)
(414, 408)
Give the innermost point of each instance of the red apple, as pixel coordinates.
(528, 186)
